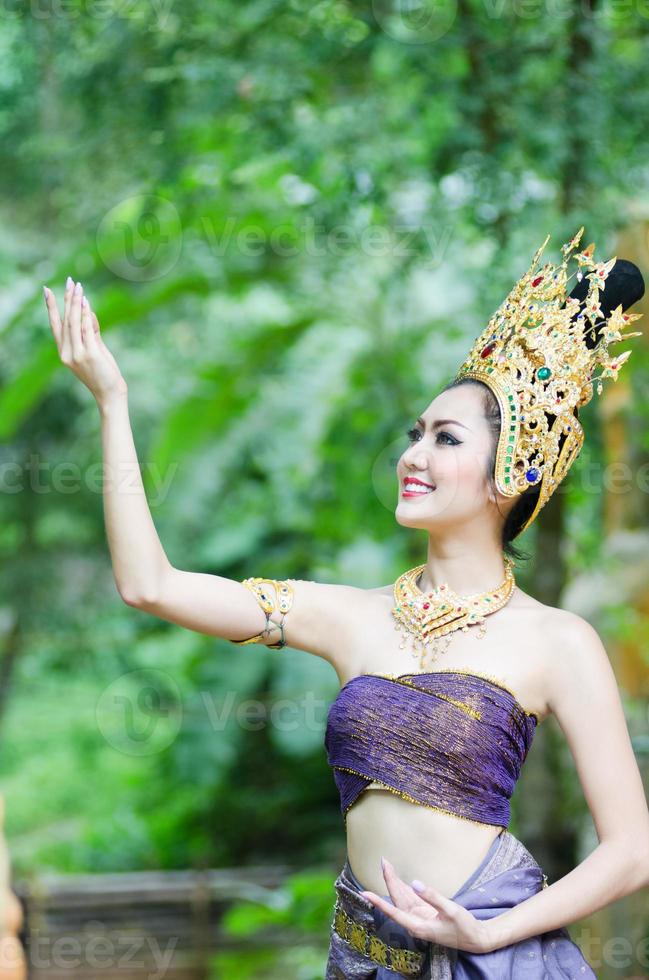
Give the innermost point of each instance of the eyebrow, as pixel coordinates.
(439, 422)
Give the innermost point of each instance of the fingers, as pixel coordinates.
(434, 898)
(76, 341)
(404, 893)
(67, 297)
(394, 912)
(400, 893)
(87, 326)
(66, 343)
(79, 325)
(53, 314)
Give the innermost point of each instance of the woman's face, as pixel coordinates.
(450, 448)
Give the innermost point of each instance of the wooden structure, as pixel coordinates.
(129, 926)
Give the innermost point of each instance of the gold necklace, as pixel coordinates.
(426, 617)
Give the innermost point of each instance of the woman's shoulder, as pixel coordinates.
(567, 643)
(553, 618)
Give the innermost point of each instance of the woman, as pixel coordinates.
(426, 757)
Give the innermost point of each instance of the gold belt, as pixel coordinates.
(406, 961)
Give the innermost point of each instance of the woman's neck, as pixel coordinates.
(465, 570)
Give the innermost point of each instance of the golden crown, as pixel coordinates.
(538, 354)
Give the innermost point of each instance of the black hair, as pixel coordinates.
(624, 284)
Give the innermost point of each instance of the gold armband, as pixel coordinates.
(267, 603)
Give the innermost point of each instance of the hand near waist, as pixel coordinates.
(429, 915)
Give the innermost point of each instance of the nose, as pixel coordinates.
(415, 455)
(414, 458)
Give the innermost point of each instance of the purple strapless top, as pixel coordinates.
(450, 739)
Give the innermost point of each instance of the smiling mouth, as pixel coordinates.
(410, 489)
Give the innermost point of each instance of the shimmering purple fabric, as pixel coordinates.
(446, 739)
(506, 876)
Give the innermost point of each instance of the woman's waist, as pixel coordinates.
(421, 842)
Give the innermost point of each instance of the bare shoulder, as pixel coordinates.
(573, 651)
(555, 620)
(559, 645)
(563, 630)
(571, 635)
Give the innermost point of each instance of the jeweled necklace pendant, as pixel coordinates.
(427, 617)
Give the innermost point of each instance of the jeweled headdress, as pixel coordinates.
(539, 353)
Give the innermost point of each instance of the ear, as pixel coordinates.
(504, 504)
(494, 495)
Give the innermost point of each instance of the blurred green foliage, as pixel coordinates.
(292, 218)
(301, 914)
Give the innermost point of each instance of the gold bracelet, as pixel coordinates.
(285, 601)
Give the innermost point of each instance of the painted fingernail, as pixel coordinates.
(77, 288)
(68, 282)
(383, 861)
(84, 302)
(46, 292)
(418, 885)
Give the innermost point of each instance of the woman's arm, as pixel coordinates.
(138, 558)
(585, 699)
(136, 552)
(323, 619)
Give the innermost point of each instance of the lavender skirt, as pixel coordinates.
(366, 944)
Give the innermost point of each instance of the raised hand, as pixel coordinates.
(80, 344)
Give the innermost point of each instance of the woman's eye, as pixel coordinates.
(446, 438)
(453, 442)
